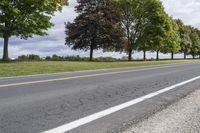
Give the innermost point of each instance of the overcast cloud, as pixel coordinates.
(187, 10)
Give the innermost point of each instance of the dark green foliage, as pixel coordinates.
(195, 38)
(56, 58)
(147, 25)
(48, 58)
(97, 27)
(78, 58)
(134, 21)
(31, 57)
(186, 42)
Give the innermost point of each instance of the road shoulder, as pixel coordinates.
(181, 117)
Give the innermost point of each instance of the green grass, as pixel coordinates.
(44, 67)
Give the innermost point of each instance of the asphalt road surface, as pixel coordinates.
(103, 101)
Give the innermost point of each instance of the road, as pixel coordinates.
(49, 103)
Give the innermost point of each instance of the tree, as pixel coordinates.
(172, 44)
(25, 18)
(158, 28)
(186, 42)
(133, 12)
(56, 58)
(195, 42)
(96, 27)
(146, 24)
(31, 57)
(198, 32)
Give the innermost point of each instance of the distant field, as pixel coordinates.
(44, 67)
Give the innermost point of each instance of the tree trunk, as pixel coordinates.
(5, 49)
(157, 55)
(91, 52)
(172, 56)
(130, 55)
(185, 55)
(145, 57)
(128, 37)
(193, 55)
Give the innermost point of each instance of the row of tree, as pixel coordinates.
(55, 57)
(128, 26)
(111, 25)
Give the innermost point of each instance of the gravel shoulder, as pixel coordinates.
(181, 117)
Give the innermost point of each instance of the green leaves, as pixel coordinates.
(195, 38)
(134, 22)
(25, 18)
(149, 28)
(146, 23)
(184, 33)
(172, 41)
(97, 27)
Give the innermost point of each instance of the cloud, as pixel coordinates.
(187, 10)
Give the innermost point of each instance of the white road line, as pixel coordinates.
(80, 122)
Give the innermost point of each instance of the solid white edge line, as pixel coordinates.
(80, 122)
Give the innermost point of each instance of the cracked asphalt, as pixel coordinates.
(34, 108)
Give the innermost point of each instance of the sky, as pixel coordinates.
(186, 10)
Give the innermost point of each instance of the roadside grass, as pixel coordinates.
(45, 67)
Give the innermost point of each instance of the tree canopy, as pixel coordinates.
(109, 25)
(25, 18)
(134, 22)
(96, 27)
(146, 24)
(172, 43)
(195, 42)
(184, 33)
